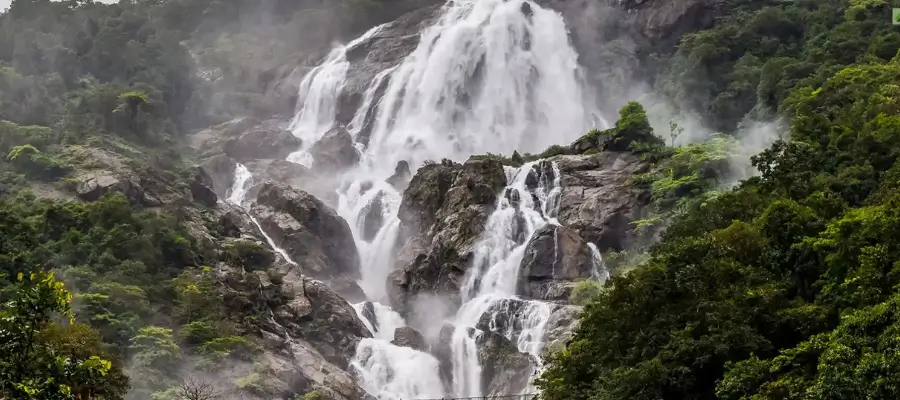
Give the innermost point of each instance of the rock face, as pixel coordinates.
(309, 332)
(201, 188)
(503, 368)
(385, 49)
(554, 259)
(442, 214)
(318, 239)
(409, 337)
(92, 186)
(598, 202)
(262, 142)
(616, 38)
(334, 151)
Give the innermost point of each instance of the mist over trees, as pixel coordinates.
(783, 287)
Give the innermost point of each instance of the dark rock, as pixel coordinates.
(555, 258)
(503, 368)
(318, 239)
(201, 188)
(334, 151)
(401, 176)
(409, 337)
(372, 218)
(368, 311)
(220, 168)
(445, 205)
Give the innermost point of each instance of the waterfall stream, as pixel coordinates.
(488, 76)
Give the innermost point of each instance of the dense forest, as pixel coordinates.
(786, 286)
(782, 287)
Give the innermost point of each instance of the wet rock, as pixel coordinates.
(555, 258)
(322, 318)
(409, 337)
(401, 176)
(373, 218)
(309, 332)
(446, 205)
(201, 188)
(93, 185)
(262, 142)
(598, 200)
(286, 171)
(504, 369)
(318, 239)
(383, 50)
(220, 168)
(334, 151)
(368, 311)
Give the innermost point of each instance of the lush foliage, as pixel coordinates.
(40, 359)
(786, 286)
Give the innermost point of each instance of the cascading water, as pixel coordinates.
(487, 76)
(318, 98)
(495, 270)
(243, 180)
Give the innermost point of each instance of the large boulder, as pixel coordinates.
(220, 169)
(409, 337)
(308, 332)
(504, 369)
(201, 188)
(93, 185)
(442, 214)
(312, 233)
(555, 258)
(262, 142)
(335, 151)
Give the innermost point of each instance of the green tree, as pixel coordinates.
(28, 367)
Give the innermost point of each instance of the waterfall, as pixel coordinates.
(487, 76)
(243, 180)
(318, 98)
(495, 271)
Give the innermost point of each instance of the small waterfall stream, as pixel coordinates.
(495, 271)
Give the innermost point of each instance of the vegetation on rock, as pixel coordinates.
(785, 286)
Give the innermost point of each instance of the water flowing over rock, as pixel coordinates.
(308, 230)
(449, 204)
(554, 259)
(471, 77)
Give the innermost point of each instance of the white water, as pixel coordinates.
(391, 372)
(243, 180)
(485, 77)
(494, 274)
(318, 98)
